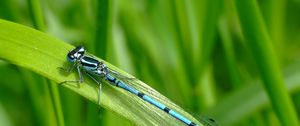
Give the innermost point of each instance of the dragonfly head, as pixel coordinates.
(76, 54)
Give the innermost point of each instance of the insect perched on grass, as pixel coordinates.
(94, 68)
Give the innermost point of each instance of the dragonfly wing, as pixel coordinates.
(137, 84)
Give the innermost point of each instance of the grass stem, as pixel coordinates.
(260, 44)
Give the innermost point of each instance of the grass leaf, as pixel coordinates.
(43, 54)
(260, 44)
(228, 115)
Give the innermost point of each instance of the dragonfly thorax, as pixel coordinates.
(102, 69)
(94, 66)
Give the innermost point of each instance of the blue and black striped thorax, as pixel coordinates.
(89, 63)
(92, 65)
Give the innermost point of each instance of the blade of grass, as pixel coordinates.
(259, 42)
(274, 15)
(35, 97)
(39, 23)
(135, 21)
(231, 110)
(277, 22)
(111, 119)
(8, 10)
(73, 106)
(4, 117)
(272, 119)
(161, 17)
(229, 52)
(103, 27)
(56, 104)
(206, 89)
(31, 79)
(71, 30)
(296, 99)
(208, 33)
(208, 39)
(185, 40)
(44, 54)
(256, 120)
(102, 37)
(36, 14)
(118, 54)
(185, 36)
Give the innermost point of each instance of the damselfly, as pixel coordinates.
(82, 62)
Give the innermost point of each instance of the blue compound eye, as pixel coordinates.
(76, 54)
(70, 58)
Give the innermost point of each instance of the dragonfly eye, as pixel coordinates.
(76, 54)
(71, 58)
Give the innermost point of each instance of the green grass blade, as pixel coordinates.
(103, 27)
(39, 23)
(43, 54)
(207, 40)
(152, 57)
(229, 52)
(102, 37)
(231, 110)
(259, 42)
(36, 14)
(30, 81)
(55, 97)
(4, 118)
(8, 10)
(275, 19)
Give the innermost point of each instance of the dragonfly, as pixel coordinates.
(94, 68)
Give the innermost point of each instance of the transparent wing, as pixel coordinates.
(208, 121)
(137, 84)
(142, 87)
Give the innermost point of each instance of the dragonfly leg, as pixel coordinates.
(100, 88)
(69, 69)
(99, 94)
(75, 81)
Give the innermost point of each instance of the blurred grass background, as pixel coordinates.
(200, 54)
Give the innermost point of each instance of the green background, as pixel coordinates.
(236, 61)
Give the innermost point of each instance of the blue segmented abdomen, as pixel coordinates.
(159, 105)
